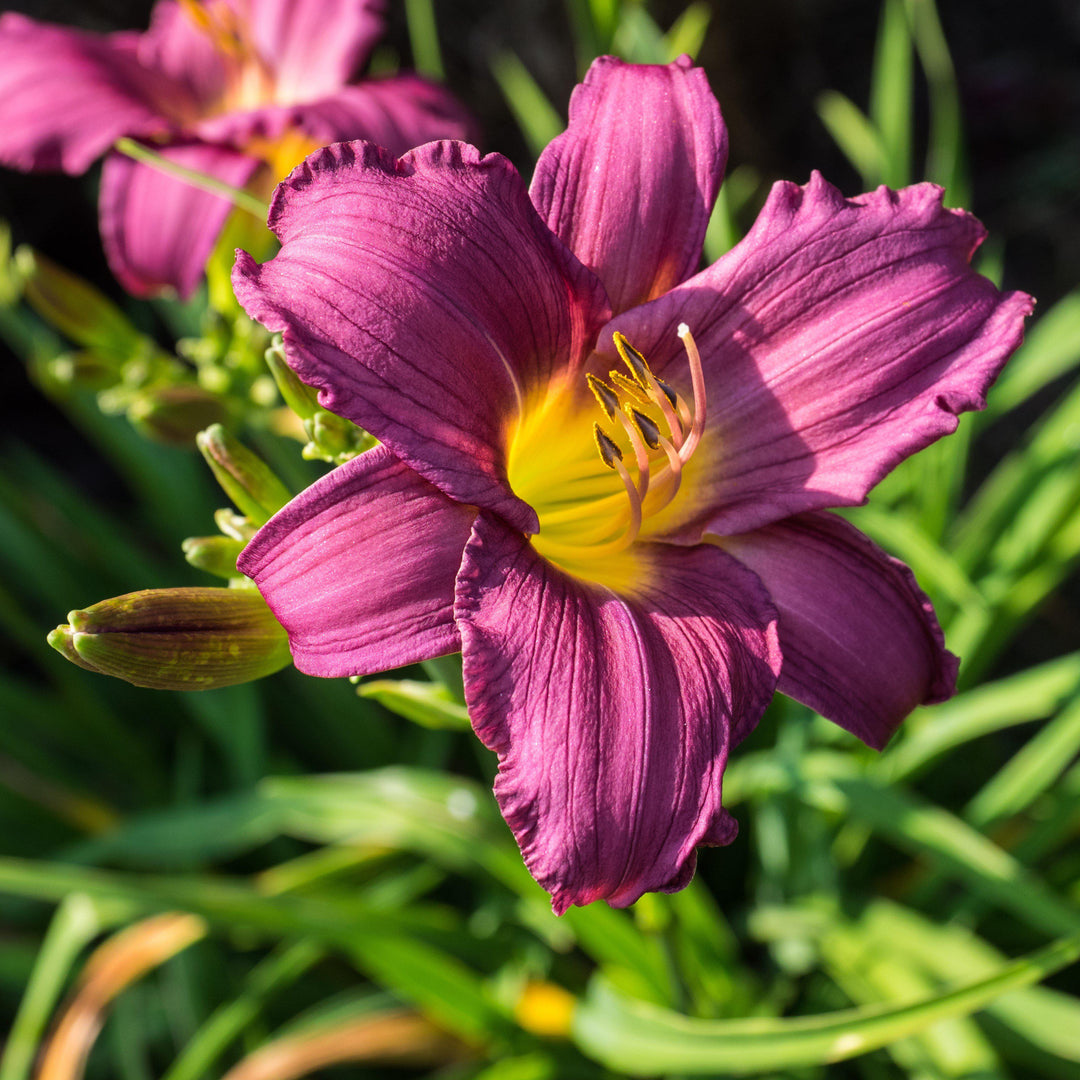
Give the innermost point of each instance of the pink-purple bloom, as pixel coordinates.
(604, 475)
(238, 90)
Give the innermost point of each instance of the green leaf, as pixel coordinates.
(424, 38)
(644, 1040)
(890, 92)
(856, 136)
(76, 922)
(538, 119)
(1051, 349)
(953, 846)
(945, 155)
(687, 32)
(1017, 699)
(1030, 771)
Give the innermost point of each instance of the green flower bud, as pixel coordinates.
(176, 639)
(300, 397)
(215, 554)
(428, 704)
(234, 525)
(244, 476)
(176, 414)
(76, 308)
(85, 368)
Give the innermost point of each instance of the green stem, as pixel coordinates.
(143, 154)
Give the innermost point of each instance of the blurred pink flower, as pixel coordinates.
(240, 90)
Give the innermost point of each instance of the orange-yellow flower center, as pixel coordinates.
(249, 84)
(597, 481)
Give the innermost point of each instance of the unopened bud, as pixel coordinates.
(215, 554)
(75, 307)
(176, 414)
(300, 397)
(177, 639)
(242, 474)
(333, 438)
(234, 525)
(85, 368)
(428, 704)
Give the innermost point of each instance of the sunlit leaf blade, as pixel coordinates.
(644, 1040)
(945, 162)
(1028, 695)
(890, 92)
(856, 136)
(538, 119)
(1034, 767)
(1051, 349)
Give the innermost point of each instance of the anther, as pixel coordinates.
(629, 387)
(650, 433)
(611, 455)
(637, 364)
(604, 394)
(639, 367)
(608, 448)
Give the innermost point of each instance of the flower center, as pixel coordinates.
(573, 469)
(249, 82)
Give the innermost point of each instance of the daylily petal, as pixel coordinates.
(360, 568)
(158, 231)
(611, 716)
(630, 184)
(860, 640)
(838, 338)
(174, 45)
(397, 113)
(67, 96)
(426, 299)
(314, 46)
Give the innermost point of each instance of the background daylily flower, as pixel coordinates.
(239, 90)
(603, 475)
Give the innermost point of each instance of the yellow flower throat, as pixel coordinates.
(572, 469)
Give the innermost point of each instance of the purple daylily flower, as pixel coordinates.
(603, 475)
(240, 90)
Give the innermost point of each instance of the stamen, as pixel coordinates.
(649, 431)
(638, 439)
(637, 364)
(611, 455)
(639, 368)
(629, 387)
(607, 446)
(674, 470)
(607, 398)
(697, 381)
(686, 417)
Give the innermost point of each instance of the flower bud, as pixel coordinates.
(87, 369)
(300, 397)
(176, 414)
(244, 476)
(215, 554)
(76, 308)
(428, 704)
(176, 639)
